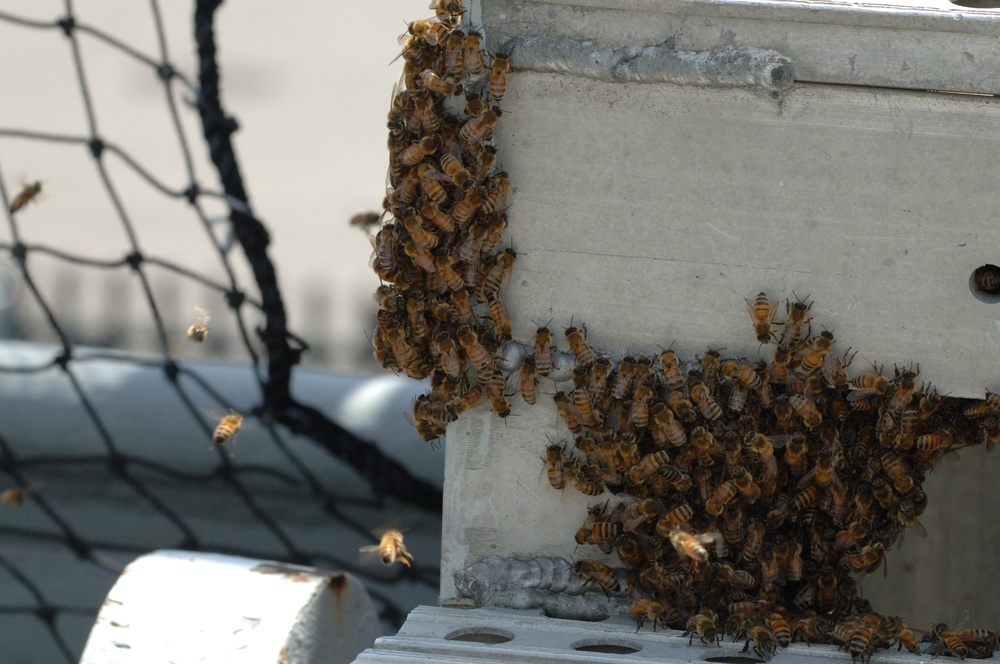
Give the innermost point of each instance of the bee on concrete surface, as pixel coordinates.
(480, 358)
(811, 357)
(704, 625)
(601, 574)
(475, 128)
(199, 331)
(543, 351)
(390, 548)
(907, 385)
(646, 609)
(228, 426)
(496, 392)
(498, 76)
(577, 340)
(25, 196)
(792, 334)
(761, 314)
(472, 54)
(554, 455)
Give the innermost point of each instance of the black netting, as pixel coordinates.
(279, 502)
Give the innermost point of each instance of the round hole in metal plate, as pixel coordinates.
(985, 283)
(609, 646)
(490, 635)
(733, 659)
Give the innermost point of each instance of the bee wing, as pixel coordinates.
(918, 529)
(806, 479)
(779, 441)
(858, 393)
(202, 315)
(373, 548)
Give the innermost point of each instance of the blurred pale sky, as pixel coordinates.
(310, 89)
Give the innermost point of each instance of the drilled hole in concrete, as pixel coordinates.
(575, 614)
(733, 659)
(479, 635)
(985, 282)
(611, 647)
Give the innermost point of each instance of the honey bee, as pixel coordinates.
(857, 531)
(738, 578)
(475, 128)
(199, 331)
(761, 314)
(390, 549)
(637, 514)
(639, 411)
(791, 334)
(692, 546)
(441, 86)
(745, 484)
(448, 359)
(601, 574)
(811, 357)
(498, 76)
(424, 115)
(895, 629)
(623, 379)
(779, 628)
(499, 273)
(528, 382)
(664, 428)
(431, 32)
(834, 370)
(811, 627)
(577, 340)
(629, 551)
(420, 256)
(722, 495)
(869, 558)
(581, 398)
(470, 399)
(941, 440)
(704, 625)
(763, 641)
(227, 428)
(554, 455)
(861, 644)
(451, 59)
(709, 408)
(14, 496)
(794, 565)
(811, 417)
(738, 398)
(496, 388)
(480, 358)
(448, 12)
(499, 188)
(804, 498)
(991, 431)
(416, 152)
(898, 473)
(543, 351)
(901, 398)
(645, 609)
(947, 641)
(568, 412)
(647, 466)
(778, 371)
(463, 210)
(742, 371)
(823, 474)
(669, 365)
(754, 541)
(26, 195)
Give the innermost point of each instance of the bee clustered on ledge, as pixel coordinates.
(437, 251)
(745, 498)
(750, 498)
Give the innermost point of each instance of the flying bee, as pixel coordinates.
(792, 334)
(601, 574)
(811, 417)
(25, 196)
(692, 546)
(543, 351)
(228, 426)
(14, 496)
(475, 128)
(390, 549)
(199, 331)
(704, 625)
(498, 76)
(577, 340)
(761, 314)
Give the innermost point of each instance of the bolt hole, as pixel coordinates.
(607, 646)
(985, 283)
(489, 635)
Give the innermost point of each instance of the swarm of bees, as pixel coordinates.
(436, 247)
(777, 484)
(750, 498)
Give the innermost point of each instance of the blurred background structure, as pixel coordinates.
(106, 408)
